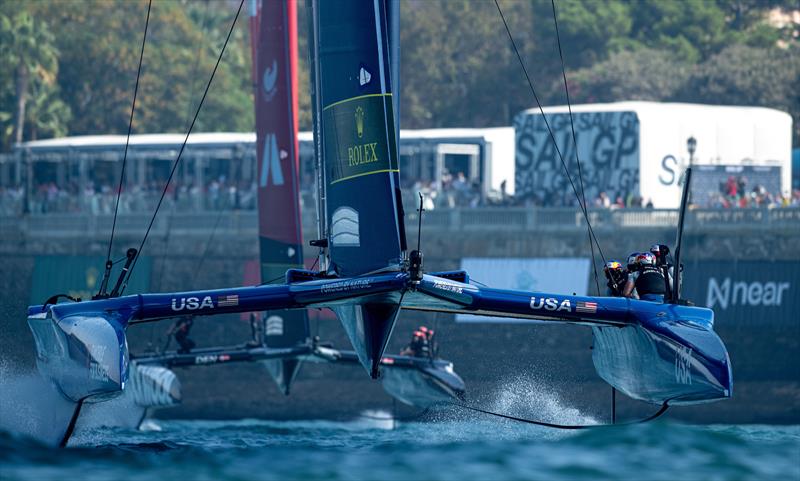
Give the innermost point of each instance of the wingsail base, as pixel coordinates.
(369, 326)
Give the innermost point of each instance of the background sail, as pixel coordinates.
(354, 116)
(274, 25)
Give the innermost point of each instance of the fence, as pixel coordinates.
(452, 220)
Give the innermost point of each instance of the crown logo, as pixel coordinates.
(360, 122)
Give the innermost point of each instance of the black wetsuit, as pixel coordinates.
(615, 280)
(650, 284)
(182, 330)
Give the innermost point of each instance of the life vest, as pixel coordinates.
(650, 281)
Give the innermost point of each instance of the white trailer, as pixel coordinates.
(641, 147)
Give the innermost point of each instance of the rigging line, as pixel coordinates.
(549, 129)
(189, 103)
(574, 139)
(130, 126)
(653, 416)
(208, 243)
(183, 147)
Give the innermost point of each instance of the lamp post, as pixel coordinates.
(691, 145)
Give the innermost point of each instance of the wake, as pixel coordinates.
(30, 406)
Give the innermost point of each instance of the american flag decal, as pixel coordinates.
(590, 307)
(228, 301)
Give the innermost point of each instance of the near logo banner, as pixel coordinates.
(746, 291)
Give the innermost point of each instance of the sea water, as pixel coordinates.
(453, 447)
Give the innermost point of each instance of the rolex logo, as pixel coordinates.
(360, 121)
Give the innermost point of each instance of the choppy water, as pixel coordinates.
(451, 444)
(441, 449)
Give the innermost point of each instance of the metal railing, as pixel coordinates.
(451, 220)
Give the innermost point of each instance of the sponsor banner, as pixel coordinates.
(746, 292)
(565, 276)
(608, 148)
(80, 276)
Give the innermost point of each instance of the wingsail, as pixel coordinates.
(358, 145)
(273, 29)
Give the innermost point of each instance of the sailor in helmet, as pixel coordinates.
(418, 347)
(661, 252)
(181, 330)
(616, 277)
(433, 348)
(647, 279)
(630, 268)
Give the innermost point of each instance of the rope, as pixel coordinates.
(550, 131)
(575, 141)
(657, 414)
(183, 147)
(130, 126)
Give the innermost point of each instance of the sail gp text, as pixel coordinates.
(192, 303)
(550, 304)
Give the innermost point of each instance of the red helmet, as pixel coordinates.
(646, 259)
(419, 334)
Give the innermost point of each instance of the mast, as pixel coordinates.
(316, 108)
(676, 272)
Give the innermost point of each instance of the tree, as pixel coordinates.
(742, 75)
(643, 74)
(29, 50)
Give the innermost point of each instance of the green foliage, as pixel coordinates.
(32, 60)
(457, 68)
(643, 74)
(95, 53)
(742, 75)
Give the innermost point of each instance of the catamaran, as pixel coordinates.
(660, 353)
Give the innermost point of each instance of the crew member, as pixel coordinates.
(180, 330)
(433, 346)
(418, 347)
(255, 331)
(630, 268)
(616, 277)
(661, 252)
(647, 279)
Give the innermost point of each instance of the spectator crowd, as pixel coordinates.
(454, 191)
(219, 194)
